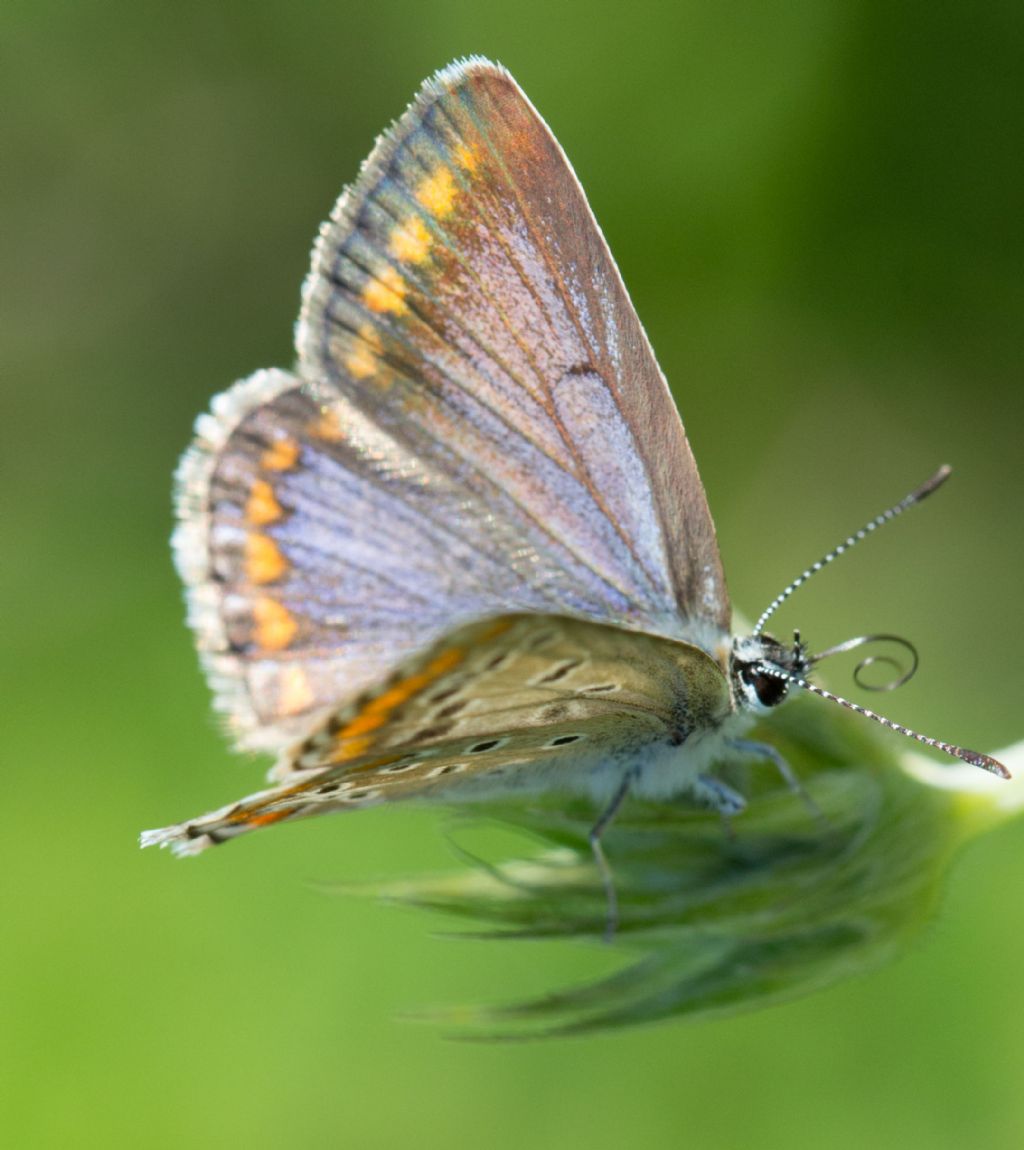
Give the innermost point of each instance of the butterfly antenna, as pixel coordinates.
(975, 758)
(915, 497)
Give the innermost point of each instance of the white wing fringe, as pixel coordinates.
(174, 837)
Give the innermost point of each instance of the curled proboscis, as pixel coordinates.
(902, 675)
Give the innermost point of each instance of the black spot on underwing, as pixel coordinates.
(434, 732)
(560, 672)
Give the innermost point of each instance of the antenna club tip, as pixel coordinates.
(933, 483)
(987, 763)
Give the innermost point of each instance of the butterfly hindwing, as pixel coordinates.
(517, 702)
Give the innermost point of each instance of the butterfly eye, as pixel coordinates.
(768, 689)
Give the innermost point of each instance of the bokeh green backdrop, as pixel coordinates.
(817, 207)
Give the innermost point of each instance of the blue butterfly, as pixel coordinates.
(464, 549)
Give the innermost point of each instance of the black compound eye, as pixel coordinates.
(769, 689)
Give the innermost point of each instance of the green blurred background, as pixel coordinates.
(817, 208)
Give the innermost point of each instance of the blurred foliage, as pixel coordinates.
(816, 207)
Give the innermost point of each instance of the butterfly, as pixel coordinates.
(463, 550)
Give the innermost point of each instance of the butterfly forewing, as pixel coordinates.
(464, 295)
(517, 702)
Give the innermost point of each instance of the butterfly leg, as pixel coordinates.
(611, 923)
(767, 751)
(719, 796)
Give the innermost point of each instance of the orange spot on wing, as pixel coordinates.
(466, 158)
(386, 292)
(410, 241)
(327, 426)
(295, 692)
(261, 820)
(264, 562)
(282, 455)
(437, 192)
(262, 506)
(363, 722)
(361, 360)
(269, 817)
(445, 661)
(275, 625)
(392, 698)
(413, 684)
(261, 812)
(354, 738)
(353, 748)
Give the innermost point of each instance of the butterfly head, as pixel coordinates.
(762, 669)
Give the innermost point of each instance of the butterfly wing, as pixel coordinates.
(478, 425)
(516, 702)
(506, 338)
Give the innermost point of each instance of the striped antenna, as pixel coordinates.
(915, 497)
(975, 758)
